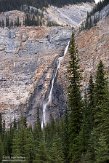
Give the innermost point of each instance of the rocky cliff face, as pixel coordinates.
(28, 62)
(70, 15)
(93, 46)
(28, 58)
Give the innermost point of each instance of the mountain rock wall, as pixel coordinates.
(28, 61)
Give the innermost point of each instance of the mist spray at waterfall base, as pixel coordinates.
(49, 101)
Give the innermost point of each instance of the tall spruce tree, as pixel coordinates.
(0, 124)
(85, 128)
(9, 141)
(42, 154)
(29, 146)
(65, 138)
(1, 150)
(16, 144)
(100, 113)
(91, 102)
(102, 150)
(90, 154)
(74, 101)
(100, 84)
(55, 151)
(37, 132)
(87, 149)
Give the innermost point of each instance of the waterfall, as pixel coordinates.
(49, 101)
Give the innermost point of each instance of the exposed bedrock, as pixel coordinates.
(28, 63)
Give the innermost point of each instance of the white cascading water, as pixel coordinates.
(45, 104)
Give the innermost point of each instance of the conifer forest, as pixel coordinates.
(34, 31)
(80, 136)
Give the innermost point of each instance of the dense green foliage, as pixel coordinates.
(74, 102)
(7, 5)
(80, 136)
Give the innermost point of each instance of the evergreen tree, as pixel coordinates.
(102, 150)
(55, 151)
(0, 124)
(37, 132)
(101, 123)
(18, 4)
(5, 143)
(42, 154)
(74, 101)
(9, 141)
(11, 24)
(16, 144)
(2, 23)
(90, 153)
(100, 95)
(65, 138)
(29, 146)
(3, 129)
(85, 128)
(22, 133)
(7, 21)
(17, 22)
(1, 150)
(91, 101)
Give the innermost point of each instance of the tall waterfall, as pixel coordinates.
(49, 101)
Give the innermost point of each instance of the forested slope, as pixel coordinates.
(80, 136)
(99, 11)
(7, 5)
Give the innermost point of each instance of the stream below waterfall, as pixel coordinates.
(49, 99)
